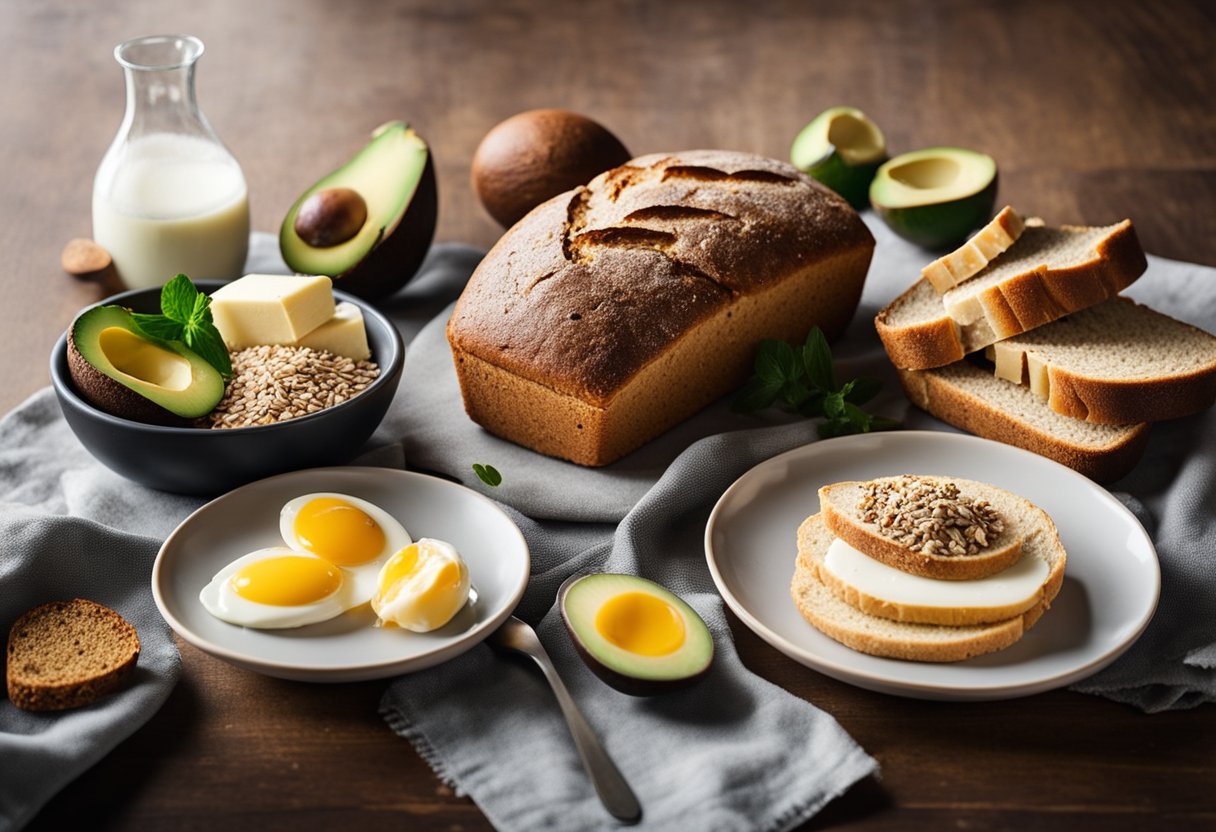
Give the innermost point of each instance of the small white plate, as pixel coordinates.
(347, 648)
(1111, 582)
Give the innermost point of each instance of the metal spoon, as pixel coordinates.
(610, 785)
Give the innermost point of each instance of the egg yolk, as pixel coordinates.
(421, 587)
(640, 623)
(287, 581)
(338, 531)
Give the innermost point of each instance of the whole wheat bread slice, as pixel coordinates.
(1047, 274)
(971, 257)
(838, 503)
(68, 653)
(977, 401)
(866, 633)
(1114, 364)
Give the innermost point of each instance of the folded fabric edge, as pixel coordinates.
(856, 766)
(402, 725)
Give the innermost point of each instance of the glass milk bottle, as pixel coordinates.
(168, 196)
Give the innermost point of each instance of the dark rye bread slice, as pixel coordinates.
(1116, 363)
(66, 654)
(1047, 274)
(977, 401)
(838, 503)
(877, 636)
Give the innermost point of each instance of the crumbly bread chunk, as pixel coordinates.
(1115, 364)
(614, 311)
(838, 503)
(66, 654)
(877, 636)
(1047, 274)
(971, 257)
(975, 400)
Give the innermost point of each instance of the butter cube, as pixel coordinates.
(343, 334)
(271, 309)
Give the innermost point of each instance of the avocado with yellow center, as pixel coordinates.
(637, 636)
(119, 370)
(842, 149)
(937, 196)
(368, 224)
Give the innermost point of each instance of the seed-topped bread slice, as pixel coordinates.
(877, 636)
(1047, 274)
(931, 519)
(971, 257)
(977, 401)
(1115, 364)
(68, 653)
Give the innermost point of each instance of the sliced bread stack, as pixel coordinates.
(875, 590)
(1020, 337)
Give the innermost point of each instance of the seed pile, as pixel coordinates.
(273, 384)
(929, 518)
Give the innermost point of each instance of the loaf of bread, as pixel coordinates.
(614, 311)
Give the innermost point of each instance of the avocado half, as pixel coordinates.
(935, 197)
(368, 224)
(637, 636)
(842, 148)
(119, 370)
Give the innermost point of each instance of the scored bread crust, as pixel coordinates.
(838, 503)
(971, 257)
(1015, 305)
(909, 641)
(956, 395)
(29, 687)
(614, 311)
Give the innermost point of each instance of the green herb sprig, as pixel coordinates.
(802, 380)
(487, 474)
(186, 317)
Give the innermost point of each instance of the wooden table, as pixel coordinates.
(1093, 111)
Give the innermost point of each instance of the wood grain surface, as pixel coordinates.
(1094, 111)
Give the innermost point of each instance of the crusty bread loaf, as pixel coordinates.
(68, 653)
(971, 257)
(614, 311)
(877, 636)
(839, 504)
(975, 400)
(1115, 364)
(1046, 274)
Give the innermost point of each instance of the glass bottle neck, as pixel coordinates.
(162, 101)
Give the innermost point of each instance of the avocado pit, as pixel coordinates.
(330, 217)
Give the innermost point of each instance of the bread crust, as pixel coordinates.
(1016, 305)
(954, 404)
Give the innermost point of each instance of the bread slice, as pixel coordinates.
(975, 400)
(971, 257)
(1047, 274)
(68, 653)
(1114, 364)
(899, 639)
(838, 503)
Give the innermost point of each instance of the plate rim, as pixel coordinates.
(921, 689)
(344, 672)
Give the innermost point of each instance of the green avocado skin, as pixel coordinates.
(942, 225)
(850, 181)
(99, 383)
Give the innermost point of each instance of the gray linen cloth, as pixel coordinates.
(732, 752)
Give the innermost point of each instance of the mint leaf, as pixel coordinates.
(206, 341)
(817, 358)
(157, 327)
(860, 390)
(813, 406)
(776, 361)
(178, 299)
(487, 474)
(833, 406)
(833, 428)
(756, 394)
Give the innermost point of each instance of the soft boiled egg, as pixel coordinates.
(422, 586)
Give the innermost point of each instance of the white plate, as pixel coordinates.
(1110, 587)
(347, 648)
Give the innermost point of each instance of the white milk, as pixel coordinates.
(174, 205)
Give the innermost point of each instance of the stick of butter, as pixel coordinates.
(343, 334)
(271, 309)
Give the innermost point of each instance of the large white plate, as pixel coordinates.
(1110, 587)
(347, 648)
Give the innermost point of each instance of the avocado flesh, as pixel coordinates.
(395, 177)
(118, 370)
(635, 635)
(937, 196)
(841, 148)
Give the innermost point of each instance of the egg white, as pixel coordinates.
(221, 600)
(362, 579)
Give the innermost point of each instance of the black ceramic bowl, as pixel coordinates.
(208, 462)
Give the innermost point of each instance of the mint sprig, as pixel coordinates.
(186, 317)
(803, 380)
